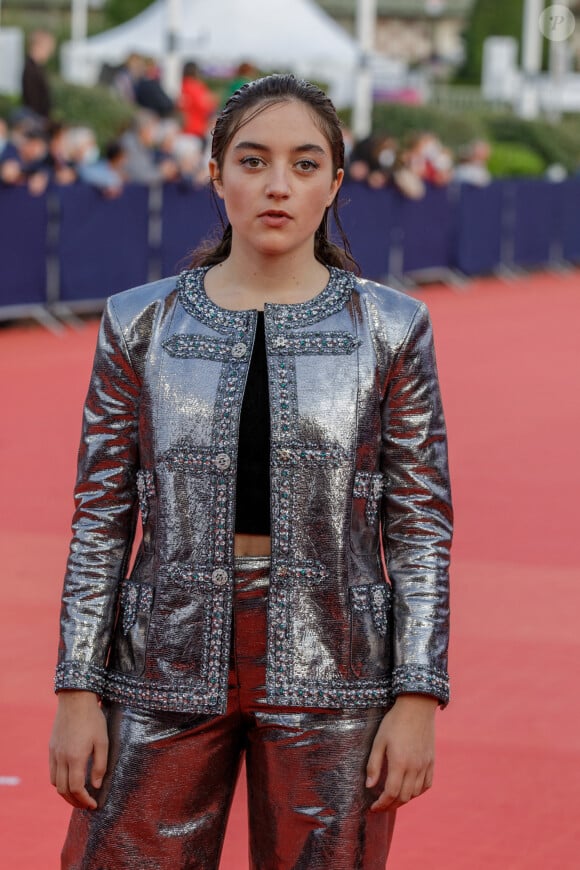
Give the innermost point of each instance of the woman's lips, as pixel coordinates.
(275, 218)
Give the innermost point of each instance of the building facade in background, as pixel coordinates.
(409, 30)
(415, 31)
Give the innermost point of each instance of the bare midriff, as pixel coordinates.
(252, 545)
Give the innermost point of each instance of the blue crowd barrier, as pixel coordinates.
(103, 242)
(568, 223)
(535, 205)
(427, 229)
(23, 248)
(478, 235)
(187, 217)
(90, 246)
(368, 218)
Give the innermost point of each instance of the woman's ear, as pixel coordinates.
(334, 188)
(214, 177)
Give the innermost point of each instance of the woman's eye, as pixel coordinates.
(307, 165)
(251, 162)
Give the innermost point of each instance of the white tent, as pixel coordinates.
(293, 35)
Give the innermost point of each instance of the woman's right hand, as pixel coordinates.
(79, 733)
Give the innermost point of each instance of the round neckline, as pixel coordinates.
(314, 300)
(194, 298)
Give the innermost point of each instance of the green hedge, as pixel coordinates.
(508, 161)
(553, 143)
(95, 107)
(76, 105)
(454, 130)
(7, 104)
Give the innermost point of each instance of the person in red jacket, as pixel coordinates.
(197, 103)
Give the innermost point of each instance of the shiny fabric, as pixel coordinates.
(358, 452)
(170, 781)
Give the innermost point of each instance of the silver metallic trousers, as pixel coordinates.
(170, 780)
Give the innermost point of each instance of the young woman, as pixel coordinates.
(279, 422)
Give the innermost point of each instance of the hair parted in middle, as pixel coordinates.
(244, 105)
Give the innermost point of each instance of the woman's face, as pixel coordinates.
(276, 181)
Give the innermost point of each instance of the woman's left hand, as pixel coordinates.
(406, 737)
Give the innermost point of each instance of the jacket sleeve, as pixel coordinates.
(105, 513)
(417, 514)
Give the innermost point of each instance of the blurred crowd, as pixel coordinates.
(415, 162)
(35, 154)
(168, 139)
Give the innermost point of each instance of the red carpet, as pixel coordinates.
(507, 788)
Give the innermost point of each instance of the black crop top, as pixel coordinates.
(253, 472)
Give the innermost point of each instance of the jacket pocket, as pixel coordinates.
(188, 612)
(130, 644)
(370, 635)
(366, 499)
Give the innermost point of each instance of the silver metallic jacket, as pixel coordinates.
(358, 456)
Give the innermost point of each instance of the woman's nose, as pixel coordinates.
(278, 184)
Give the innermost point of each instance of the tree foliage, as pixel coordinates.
(488, 18)
(119, 11)
(509, 161)
(94, 107)
(455, 130)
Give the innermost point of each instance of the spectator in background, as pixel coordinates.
(372, 160)
(33, 160)
(191, 162)
(149, 93)
(407, 170)
(108, 173)
(246, 72)
(139, 144)
(422, 160)
(61, 169)
(168, 130)
(82, 147)
(433, 162)
(3, 136)
(23, 119)
(9, 162)
(8, 150)
(35, 85)
(472, 164)
(197, 102)
(125, 80)
(186, 150)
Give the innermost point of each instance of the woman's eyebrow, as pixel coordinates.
(310, 147)
(250, 146)
(300, 149)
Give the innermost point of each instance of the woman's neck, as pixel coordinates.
(249, 282)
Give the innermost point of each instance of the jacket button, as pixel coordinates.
(219, 577)
(239, 350)
(222, 461)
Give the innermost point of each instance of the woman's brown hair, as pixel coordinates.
(247, 102)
